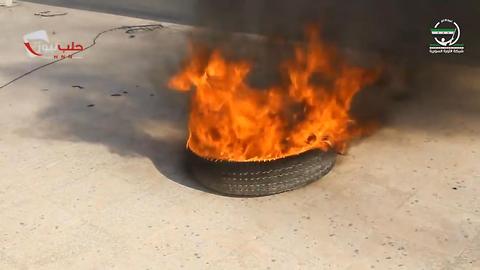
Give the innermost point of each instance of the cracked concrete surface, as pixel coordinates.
(103, 187)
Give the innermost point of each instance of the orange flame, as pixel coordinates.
(231, 120)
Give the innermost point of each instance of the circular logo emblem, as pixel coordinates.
(446, 32)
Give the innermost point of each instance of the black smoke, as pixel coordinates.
(394, 34)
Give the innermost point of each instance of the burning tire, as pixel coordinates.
(260, 178)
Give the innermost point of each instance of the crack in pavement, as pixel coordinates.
(48, 14)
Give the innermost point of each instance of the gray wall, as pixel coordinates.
(391, 27)
(167, 10)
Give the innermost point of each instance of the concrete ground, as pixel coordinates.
(103, 187)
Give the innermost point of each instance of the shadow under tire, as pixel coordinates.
(260, 178)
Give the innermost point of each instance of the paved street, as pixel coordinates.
(92, 176)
